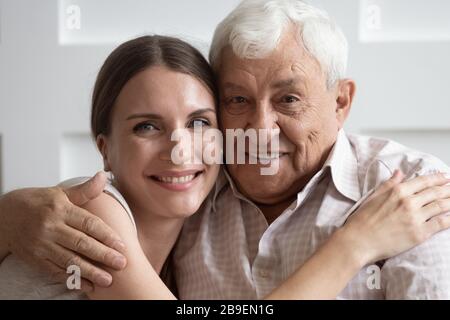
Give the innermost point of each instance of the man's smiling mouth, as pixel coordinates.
(269, 156)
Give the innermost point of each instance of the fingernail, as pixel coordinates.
(397, 174)
(118, 245)
(103, 280)
(119, 262)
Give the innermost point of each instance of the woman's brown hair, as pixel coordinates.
(134, 56)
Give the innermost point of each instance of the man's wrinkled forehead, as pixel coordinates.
(273, 68)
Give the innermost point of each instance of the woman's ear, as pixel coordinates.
(345, 93)
(102, 145)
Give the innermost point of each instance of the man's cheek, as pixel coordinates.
(231, 122)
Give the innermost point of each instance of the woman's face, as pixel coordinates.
(152, 105)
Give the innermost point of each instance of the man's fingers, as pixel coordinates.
(60, 275)
(95, 227)
(65, 258)
(86, 286)
(88, 247)
(91, 189)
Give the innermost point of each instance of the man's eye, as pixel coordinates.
(144, 127)
(199, 123)
(289, 99)
(237, 99)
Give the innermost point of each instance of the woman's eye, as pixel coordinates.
(199, 123)
(289, 99)
(144, 127)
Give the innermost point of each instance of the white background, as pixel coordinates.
(399, 56)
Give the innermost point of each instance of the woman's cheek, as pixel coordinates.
(211, 152)
(132, 155)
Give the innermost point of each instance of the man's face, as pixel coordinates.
(287, 91)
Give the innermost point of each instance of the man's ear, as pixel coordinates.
(102, 146)
(344, 97)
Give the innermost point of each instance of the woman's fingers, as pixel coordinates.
(86, 246)
(94, 227)
(437, 224)
(387, 185)
(419, 184)
(64, 258)
(430, 195)
(436, 208)
(398, 218)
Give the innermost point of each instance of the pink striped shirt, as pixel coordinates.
(228, 251)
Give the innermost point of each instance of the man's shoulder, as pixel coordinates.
(378, 158)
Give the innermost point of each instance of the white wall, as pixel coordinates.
(47, 71)
(1, 158)
(401, 67)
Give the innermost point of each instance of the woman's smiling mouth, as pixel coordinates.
(177, 180)
(183, 179)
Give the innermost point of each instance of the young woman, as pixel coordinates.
(148, 88)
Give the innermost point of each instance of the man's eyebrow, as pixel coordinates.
(231, 85)
(286, 83)
(201, 111)
(153, 116)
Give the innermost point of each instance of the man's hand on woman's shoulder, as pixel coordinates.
(48, 228)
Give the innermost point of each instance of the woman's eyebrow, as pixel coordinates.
(153, 116)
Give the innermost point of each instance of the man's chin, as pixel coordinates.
(262, 191)
(258, 187)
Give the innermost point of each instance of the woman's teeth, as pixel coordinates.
(183, 179)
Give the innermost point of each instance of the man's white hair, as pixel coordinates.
(254, 28)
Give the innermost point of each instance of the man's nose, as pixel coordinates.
(264, 121)
(263, 116)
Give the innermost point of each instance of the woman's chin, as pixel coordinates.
(182, 211)
(179, 204)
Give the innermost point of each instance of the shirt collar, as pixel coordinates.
(341, 161)
(222, 180)
(344, 168)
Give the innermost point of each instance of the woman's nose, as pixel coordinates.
(166, 152)
(181, 147)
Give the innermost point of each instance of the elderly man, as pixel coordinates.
(281, 65)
